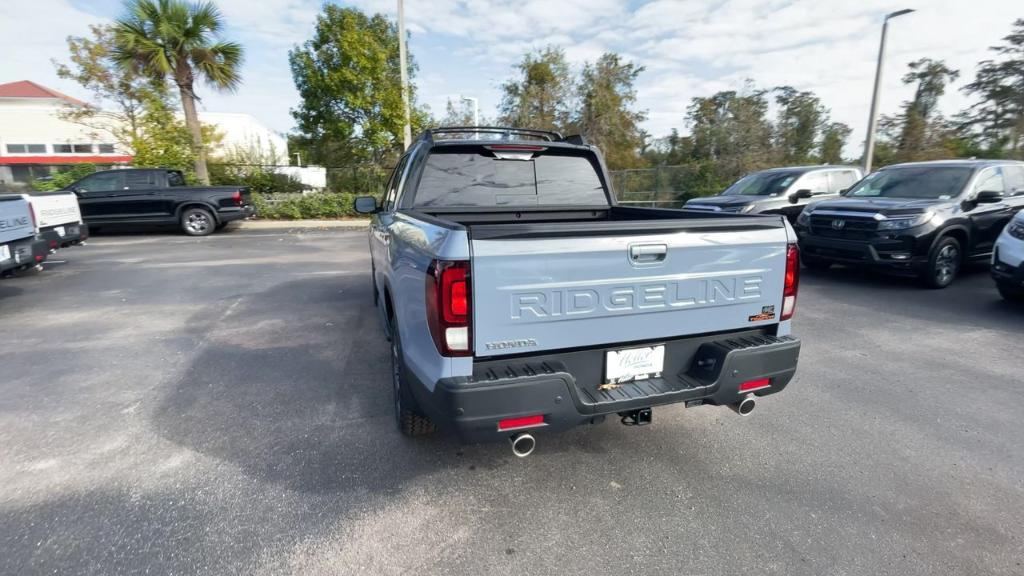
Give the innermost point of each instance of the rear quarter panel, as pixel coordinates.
(405, 250)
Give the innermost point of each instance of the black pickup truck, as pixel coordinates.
(157, 196)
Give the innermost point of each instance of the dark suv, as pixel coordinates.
(780, 190)
(923, 218)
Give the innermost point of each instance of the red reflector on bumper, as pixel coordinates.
(755, 384)
(513, 423)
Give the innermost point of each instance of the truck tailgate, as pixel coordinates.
(55, 208)
(568, 288)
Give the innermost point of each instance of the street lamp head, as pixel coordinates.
(899, 13)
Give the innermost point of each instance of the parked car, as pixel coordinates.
(519, 298)
(20, 248)
(150, 196)
(1008, 260)
(58, 218)
(784, 191)
(923, 219)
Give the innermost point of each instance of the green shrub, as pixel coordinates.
(319, 206)
(64, 178)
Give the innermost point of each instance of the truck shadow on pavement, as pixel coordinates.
(292, 385)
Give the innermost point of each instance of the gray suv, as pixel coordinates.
(780, 190)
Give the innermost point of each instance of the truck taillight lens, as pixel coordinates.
(448, 306)
(237, 197)
(791, 283)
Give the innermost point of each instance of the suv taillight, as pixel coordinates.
(791, 282)
(237, 197)
(448, 306)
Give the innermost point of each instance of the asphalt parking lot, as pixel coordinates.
(222, 406)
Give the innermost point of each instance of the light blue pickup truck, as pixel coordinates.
(20, 247)
(521, 300)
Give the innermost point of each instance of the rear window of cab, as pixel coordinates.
(477, 177)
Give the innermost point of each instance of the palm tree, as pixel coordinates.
(176, 39)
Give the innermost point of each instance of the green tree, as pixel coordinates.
(833, 139)
(119, 97)
(174, 39)
(606, 95)
(996, 121)
(539, 97)
(801, 118)
(922, 131)
(348, 77)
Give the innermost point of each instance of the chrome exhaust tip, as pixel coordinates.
(523, 445)
(744, 407)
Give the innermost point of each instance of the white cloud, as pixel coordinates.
(689, 48)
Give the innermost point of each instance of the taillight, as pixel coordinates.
(792, 280)
(448, 306)
(237, 197)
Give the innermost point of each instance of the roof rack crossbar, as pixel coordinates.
(547, 135)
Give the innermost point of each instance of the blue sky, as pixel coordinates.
(689, 47)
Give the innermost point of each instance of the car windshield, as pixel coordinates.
(925, 182)
(762, 184)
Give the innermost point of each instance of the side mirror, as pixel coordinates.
(799, 194)
(365, 205)
(989, 197)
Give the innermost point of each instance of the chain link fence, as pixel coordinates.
(661, 186)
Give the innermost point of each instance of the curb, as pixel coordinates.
(287, 225)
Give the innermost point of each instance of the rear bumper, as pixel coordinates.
(239, 213)
(64, 235)
(563, 387)
(25, 253)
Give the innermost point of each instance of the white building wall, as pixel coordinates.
(37, 121)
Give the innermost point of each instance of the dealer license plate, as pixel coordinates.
(5, 253)
(634, 364)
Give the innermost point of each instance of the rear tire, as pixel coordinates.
(198, 222)
(411, 421)
(812, 263)
(1011, 293)
(944, 263)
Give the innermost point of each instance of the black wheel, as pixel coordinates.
(198, 222)
(1010, 292)
(812, 263)
(411, 422)
(943, 263)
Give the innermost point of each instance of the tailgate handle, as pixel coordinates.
(647, 253)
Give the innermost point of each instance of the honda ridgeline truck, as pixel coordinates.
(19, 246)
(58, 218)
(520, 299)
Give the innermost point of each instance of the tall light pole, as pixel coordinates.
(869, 147)
(407, 131)
(476, 108)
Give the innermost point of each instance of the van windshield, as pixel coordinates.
(473, 177)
